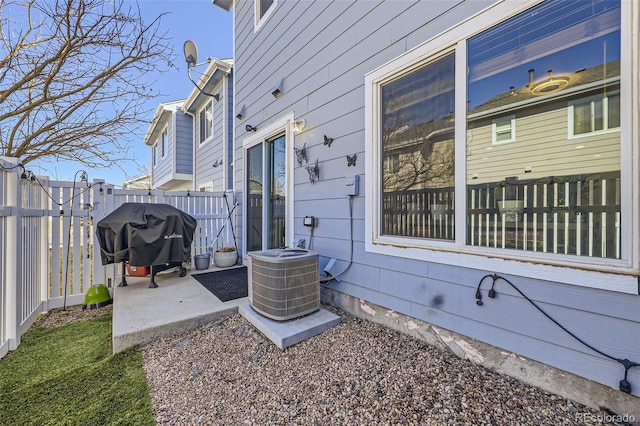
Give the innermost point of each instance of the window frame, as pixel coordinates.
(611, 274)
(202, 112)
(259, 19)
(512, 130)
(605, 115)
(280, 126)
(164, 135)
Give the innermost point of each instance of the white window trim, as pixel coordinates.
(164, 142)
(258, 20)
(199, 123)
(283, 124)
(226, 175)
(605, 100)
(609, 274)
(494, 130)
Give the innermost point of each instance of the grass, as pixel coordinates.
(67, 376)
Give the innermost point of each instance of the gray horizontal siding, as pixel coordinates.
(323, 51)
(208, 152)
(163, 168)
(184, 143)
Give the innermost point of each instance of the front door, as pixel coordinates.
(266, 178)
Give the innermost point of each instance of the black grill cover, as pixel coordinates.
(146, 234)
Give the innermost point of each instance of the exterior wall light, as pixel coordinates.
(298, 126)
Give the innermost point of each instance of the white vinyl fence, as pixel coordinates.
(49, 255)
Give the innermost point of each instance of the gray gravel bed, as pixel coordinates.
(358, 373)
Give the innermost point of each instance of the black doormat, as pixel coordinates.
(226, 285)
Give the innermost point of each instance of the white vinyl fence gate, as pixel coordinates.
(49, 255)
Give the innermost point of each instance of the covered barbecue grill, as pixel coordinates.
(146, 234)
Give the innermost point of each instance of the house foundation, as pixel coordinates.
(551, 379)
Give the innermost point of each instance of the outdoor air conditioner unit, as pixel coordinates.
(284, 283)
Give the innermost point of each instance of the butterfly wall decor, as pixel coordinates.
(314, 173)
(301, 154)
(327, 141)
(351, 160)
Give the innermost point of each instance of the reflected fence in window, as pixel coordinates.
(574, 215)
(419, 213)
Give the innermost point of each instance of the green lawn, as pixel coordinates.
(67, 376)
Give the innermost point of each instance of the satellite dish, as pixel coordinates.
(190, 53)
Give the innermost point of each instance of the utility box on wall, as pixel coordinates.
(352, 185)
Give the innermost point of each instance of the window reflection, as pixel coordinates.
(254, 198)
(418, 152)
(552, 73)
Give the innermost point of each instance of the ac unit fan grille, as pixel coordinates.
(285, 289)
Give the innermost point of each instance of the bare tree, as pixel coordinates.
(74, 78)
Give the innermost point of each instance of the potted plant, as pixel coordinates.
(225, 256)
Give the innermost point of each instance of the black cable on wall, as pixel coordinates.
(624, 386)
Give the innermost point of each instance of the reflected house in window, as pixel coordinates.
(418, 150)
(559, 118)
(562, 167)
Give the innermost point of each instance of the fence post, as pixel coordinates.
(13, 274)
(98, 212)
(45, 227)
(108, 199)
(160, 196)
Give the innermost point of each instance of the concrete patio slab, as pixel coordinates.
(177, 305)
(288, 333)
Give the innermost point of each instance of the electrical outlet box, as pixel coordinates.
(351, 184)
(309, 221)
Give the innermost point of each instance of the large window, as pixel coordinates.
(545, 193)
(205, 122)
(555, 194)
(418, 151)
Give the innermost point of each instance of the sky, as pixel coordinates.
(210, 28)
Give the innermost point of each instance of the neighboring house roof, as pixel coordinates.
(215, 72)
(161, 116)
(545, 90)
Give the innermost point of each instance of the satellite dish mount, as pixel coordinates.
(191, 57)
